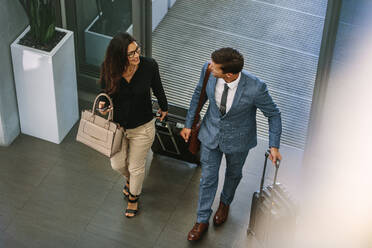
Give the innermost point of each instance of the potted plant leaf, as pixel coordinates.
(44, 69)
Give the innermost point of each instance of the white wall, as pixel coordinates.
(13, 21)
(171, 3)
(159, 10)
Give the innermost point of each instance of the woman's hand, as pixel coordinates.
(101, 108)
(162, 114)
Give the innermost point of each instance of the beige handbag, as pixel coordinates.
(101, 134)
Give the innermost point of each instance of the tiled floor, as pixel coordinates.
(67, 195)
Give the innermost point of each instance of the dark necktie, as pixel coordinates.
(224, 100)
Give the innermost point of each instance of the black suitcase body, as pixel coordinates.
(273, 214)
(168, 140)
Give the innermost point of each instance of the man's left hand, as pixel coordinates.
(275, 155)
(163, 114)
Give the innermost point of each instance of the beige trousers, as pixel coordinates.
(130, 161)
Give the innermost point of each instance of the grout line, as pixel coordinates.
(175, 208)
(27, 200)
(37, 186)
(94, 214)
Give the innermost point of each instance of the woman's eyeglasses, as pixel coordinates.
(131, 54)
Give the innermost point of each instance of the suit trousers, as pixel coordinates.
(130, 161)
(210, 163)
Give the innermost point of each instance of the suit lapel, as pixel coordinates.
(238, 93)
(212, 87)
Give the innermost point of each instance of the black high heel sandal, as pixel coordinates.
(126, 188)
(132, 211)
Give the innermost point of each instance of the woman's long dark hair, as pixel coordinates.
(116, 61)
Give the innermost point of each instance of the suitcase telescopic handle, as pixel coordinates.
(277, 164)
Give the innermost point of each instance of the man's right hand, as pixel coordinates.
(185, 134)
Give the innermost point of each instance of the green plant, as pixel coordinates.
(41, 15)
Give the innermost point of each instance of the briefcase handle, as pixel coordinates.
(277, 165)
(111, 111)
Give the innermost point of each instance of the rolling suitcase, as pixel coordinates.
(168, 140)
(273, 214)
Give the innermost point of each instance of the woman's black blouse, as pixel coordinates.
(132, 101)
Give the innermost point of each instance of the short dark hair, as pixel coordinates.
(231, 60)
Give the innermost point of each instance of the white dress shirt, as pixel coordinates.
(231, 92)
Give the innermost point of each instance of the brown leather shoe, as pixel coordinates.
(197, 231)
(221, 215)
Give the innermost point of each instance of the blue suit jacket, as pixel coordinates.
(235, 131)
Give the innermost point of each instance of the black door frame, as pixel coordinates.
(141, 16)
(141, 11)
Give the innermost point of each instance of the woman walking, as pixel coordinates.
(128, 77)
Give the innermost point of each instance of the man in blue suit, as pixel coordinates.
(228, 127)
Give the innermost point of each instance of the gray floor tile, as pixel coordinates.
(171, 238)
(32, 235)
(14, 194)
(29, 148)
(67, 186)
(21, 170)
(10, 242)
(245, 241)
(7, 214)
(111, 223)
(63, 223)
(96, 240)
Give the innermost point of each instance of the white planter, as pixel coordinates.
(46, 88)
(96, 44)
(159, 10)
(170, 3)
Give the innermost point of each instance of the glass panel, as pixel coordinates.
(111, 17)
(95, 23)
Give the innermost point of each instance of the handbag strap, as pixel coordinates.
(201, 98)
(111, 111)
